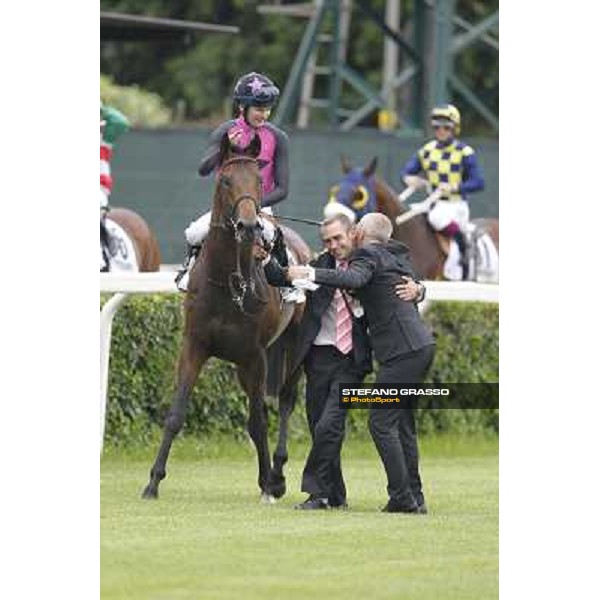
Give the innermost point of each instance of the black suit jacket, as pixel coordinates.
(395, 326)
(317, 303)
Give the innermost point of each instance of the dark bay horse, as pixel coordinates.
(145, 244)
(232, 313)
(361, 191)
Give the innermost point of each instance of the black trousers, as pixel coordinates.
(326, 367)
(394, 432)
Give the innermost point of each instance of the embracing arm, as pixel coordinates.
(359, 272)
(211, 155)
(281, 171)
(410, 288)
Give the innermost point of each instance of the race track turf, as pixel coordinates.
(207, 536)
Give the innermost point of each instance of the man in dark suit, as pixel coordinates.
(333, 348)
(403, 347)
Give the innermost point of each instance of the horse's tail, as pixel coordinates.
(276, 363)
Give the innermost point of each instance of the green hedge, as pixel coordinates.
(145, 345)
(467, 351)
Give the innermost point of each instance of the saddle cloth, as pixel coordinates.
(124, 258)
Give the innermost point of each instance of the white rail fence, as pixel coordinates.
(123, 284)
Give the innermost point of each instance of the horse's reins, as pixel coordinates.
(237, 283)
(299, 220)
(416, 208)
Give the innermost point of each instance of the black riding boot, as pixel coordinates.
(278, 249)
(461, 241)
(105, 245)
(188, 263)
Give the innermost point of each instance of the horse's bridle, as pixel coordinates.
(229, 221)
(237, 284)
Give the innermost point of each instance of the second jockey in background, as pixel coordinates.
(451, 167)
(254, 96)
(113, 124)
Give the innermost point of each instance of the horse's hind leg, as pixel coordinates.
(253, 380)
(190, 362)
(287, 402)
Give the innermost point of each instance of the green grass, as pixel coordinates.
(207, 537)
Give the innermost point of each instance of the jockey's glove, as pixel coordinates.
(416, 182)
(446, 188)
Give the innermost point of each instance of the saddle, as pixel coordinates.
(117, 251)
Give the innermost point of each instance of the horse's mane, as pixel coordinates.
(387, 199)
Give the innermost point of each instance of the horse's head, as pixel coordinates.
(237, 198)
(356, 189)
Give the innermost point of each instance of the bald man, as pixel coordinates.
(402, 344)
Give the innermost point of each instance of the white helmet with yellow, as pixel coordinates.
(446, 114)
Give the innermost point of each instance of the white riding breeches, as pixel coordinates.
(445, 211)
(197, 230)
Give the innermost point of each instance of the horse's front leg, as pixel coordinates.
(252, 377)
(191, 360)
(287, 402)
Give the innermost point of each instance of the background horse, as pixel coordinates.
(362, 192)
(144, 242)
(232, 313)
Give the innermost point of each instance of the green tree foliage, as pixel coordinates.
(198, 73)
(142, 108)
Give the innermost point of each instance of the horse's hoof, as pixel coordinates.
(267, 498)
(150, 493)
(277, 488)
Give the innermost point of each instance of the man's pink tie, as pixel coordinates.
(343, 320)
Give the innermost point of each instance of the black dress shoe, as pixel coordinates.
(313, 504)
(339, 505)
(394, 507)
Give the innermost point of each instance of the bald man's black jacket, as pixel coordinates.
(395, 326)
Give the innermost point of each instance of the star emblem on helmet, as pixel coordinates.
(256, 84)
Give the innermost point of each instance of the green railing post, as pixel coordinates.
(335, 80)
(292, 86)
